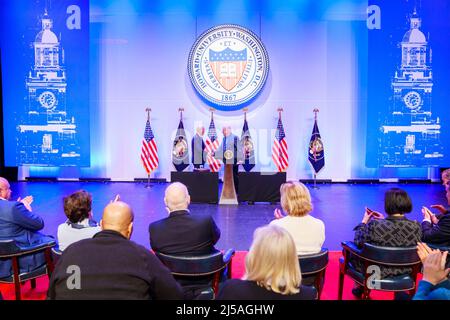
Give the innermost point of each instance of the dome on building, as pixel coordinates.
(414, 36)
(46, 36)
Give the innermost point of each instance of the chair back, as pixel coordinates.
(391, 256)
(313, 263)
(8, 248)
(193, 265)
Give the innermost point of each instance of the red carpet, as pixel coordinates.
(329, 291)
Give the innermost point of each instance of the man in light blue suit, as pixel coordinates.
(19, 223)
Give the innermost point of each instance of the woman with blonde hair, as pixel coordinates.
(308, 232)
(272, 270)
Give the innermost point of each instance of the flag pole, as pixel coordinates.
(148, 174)
(316, 111)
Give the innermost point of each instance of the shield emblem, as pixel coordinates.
(228, 66)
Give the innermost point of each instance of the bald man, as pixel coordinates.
(182, 233)
(19, 223)
(110, 266)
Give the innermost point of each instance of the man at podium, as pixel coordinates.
(230, 152)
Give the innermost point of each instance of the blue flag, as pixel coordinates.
(180, 150)
(247, 148)
(316, 153)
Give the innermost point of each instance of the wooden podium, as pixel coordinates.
(228, 195)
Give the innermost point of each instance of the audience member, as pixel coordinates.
(182, 233)
(394, 231)
(272, 270)
(110, 266)
(308, 232)
(80, 224)
(436, 229)
(435, 284)
(19, 223)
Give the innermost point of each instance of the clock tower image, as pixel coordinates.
(410, 133)
(47, 131)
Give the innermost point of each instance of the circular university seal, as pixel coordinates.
(228, 66)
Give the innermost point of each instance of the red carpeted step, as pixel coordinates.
(329, 292)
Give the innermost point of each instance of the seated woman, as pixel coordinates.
(272, 270)
(79, 225)
(393, 231)
(308, 232)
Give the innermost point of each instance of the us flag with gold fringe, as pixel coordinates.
(211, 145)
(280, 148)
(149, 151)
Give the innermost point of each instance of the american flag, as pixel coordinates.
(280, 148)
(211, 145)
(149, 151)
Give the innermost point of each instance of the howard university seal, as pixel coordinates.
(228, 66)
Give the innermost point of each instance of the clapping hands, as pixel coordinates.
(278, 214)
(369, 214)
(433, 262)
(27, 201)
(427, 214)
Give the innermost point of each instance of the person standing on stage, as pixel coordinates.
(230, 152)
(19, 223)
(198, 148)
(436, 229)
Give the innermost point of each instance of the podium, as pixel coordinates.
(228, 195)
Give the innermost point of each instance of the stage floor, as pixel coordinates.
(340, 206)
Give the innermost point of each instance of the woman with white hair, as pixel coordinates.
(308, 232)
(272, 270)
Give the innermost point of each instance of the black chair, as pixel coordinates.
(312, 267)
(371, 255)
(56, 254)
(191, 267)
(9, 250)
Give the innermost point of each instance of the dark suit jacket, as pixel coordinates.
(21, 225)
(438, 234)
(184, 234)
(198, 150)
(112, 267)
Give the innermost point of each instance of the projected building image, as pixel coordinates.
(48, 133)
(410, 132)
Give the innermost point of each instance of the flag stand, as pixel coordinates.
(147, 186)
(315, 182)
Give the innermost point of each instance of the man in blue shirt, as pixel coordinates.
(19, 223)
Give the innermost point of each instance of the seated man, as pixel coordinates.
(110, 266)
(182, 233)
(79, 224)
(17, 222)
(436, 230)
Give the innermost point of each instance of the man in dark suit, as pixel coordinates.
(230, 152)
(436, 229)
(182, 233)
(198, 148)
(110, 266)
(19, 223)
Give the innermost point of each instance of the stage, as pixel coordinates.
(340, 206)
